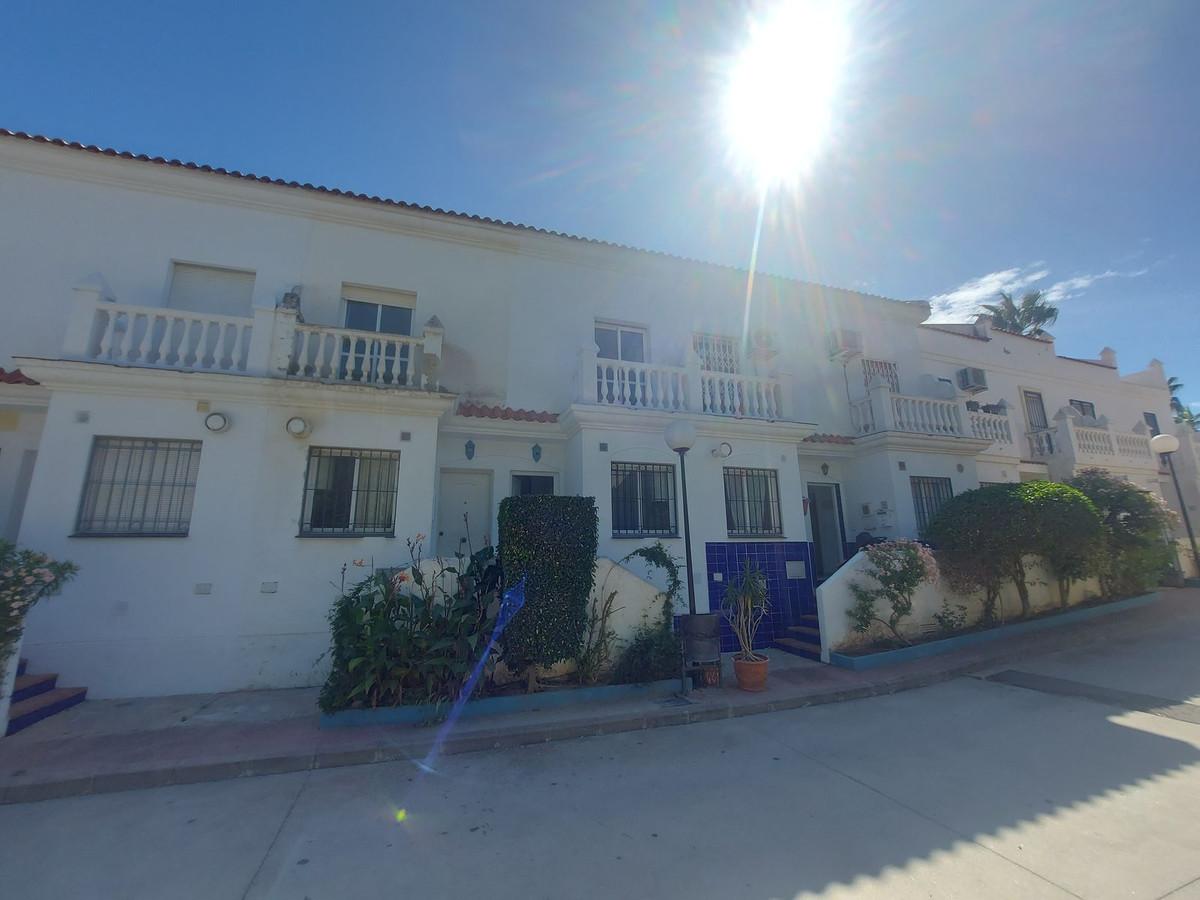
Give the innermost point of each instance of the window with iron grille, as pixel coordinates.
(350, 493)
(1151, 419)
(643, 500)
(752, 502)
(1084, 408)
(139, 487)
(717, 353)
(885, 370)
(928, 496)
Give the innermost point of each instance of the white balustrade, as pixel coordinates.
(1093, 441)
(343, 355)
(748, 396)
(1134, 446)
(926, 415)
(991, 427)
(168, 338)
(862, 416)
(641, 385)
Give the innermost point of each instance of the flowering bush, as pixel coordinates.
(25, 577)
(899, 567)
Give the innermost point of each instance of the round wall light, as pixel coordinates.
(723, 450)
(216, 422)
(298, 427)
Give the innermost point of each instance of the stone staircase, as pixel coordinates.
(35, 697)
(802, 639)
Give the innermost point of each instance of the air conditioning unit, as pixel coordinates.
(845, 344)
(972, 381)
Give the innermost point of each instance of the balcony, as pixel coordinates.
(274, 342)
(1074, 442)
(884, 410)
(690, 388)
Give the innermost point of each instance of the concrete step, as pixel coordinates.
(808, 619)
(22, 665)
(27, 712)
(27, 686)
(799, 648)
(804, 632)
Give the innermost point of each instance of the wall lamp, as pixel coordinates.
(298, 427)
(216, 422)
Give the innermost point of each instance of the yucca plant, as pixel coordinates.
(745, 604)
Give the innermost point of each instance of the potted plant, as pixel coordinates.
(746, 602)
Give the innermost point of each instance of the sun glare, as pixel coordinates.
(782, 87)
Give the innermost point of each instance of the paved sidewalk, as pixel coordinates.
(115, 745)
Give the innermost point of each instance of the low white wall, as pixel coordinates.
(834, 598)
(1187, 562)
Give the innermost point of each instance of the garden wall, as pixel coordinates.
(834, 597)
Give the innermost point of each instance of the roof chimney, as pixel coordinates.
(1108, 356)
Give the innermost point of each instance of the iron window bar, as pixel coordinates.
(350, 493)
(752, 503)
(643, 500)
(928, 496)
(138, 487)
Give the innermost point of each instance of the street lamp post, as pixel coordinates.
(1166, 445)
(700, 633)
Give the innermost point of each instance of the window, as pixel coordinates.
(350, 492)
(139, 486)
(1035, 411)
(383, 312)
(752, 502)
(1085, 408)
(885, 370)
(211, 289)
(529, 485)
(1151, 419)
(621, 342)
(928, 496)
(643, 500)
(717, 353)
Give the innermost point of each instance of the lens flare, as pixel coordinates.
(781, 90)
(401, 815)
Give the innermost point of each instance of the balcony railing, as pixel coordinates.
(991, 426)
(1069, 443)
(273, 342)
(884, 410)
(635, 385)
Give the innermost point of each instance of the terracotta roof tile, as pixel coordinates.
(480, 411)
(16, 376)
(827, 439)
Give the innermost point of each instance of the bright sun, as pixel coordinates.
(781, 89)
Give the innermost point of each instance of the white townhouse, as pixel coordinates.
(218, 389)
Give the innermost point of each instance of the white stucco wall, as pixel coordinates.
(834, 598)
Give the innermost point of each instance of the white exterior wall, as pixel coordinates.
(132, 623)
(517, 306)
(20, 435)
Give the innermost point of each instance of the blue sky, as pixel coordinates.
(976, 145)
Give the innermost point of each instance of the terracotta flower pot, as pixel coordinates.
(751, 673)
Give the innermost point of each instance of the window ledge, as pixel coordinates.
(743, 537)
(644, 537)
(128, 534)
(349, 534)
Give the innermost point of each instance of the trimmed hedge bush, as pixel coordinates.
(551, 542)
(1066, 531)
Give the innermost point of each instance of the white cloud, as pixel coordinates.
(965, 300)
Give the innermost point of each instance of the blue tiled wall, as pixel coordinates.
(790, 597)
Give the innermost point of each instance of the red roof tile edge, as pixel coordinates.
(16, 376)
(828, 439)
(481, 411)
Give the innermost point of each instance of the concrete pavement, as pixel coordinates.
(968, 788)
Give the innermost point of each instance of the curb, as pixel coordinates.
(415, 748)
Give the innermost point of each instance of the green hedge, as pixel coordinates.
(550, 541)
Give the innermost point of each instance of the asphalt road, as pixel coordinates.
(1071, 774)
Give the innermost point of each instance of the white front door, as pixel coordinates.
(464, 512)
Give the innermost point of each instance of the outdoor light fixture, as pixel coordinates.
(298, 427)
(723, 450)
(1165, 445)
(216, 422)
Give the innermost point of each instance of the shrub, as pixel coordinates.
(400, 637)
(1135, 553)
(951, 618)
(551, 542)
(898, 567)
(1065, 531)
(653, 652)
(982, 537)
(25, 578)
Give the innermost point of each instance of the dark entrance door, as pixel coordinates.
(825, 517)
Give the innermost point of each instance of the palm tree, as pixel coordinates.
(1174, 385)
(1026, 317)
